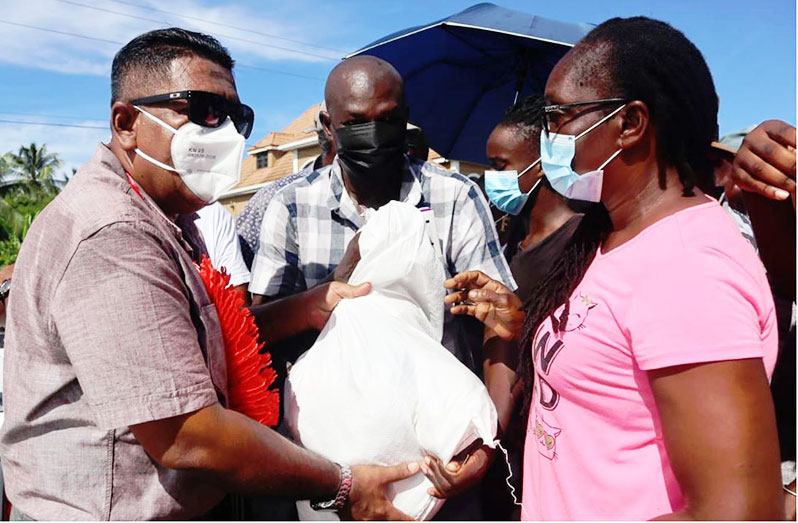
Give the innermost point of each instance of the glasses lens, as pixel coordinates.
(244, 119)
(211, 110)
(206, 109)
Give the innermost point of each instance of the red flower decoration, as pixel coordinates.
(249, 372)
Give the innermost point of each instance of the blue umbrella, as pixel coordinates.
(462, 72)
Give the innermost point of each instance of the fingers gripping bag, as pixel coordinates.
(378, 387)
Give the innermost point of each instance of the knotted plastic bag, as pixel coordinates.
(378, 387)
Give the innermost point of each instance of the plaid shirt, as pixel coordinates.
(248, 222)
(309, 224)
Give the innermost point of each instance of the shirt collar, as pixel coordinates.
(339, 198)
(105, 157)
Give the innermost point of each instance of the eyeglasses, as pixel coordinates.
(208, 109)
(552, 113)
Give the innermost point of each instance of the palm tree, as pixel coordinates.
(33, 167)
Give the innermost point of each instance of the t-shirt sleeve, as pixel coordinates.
(228, 249)
(700, 307)
(275, 269)
(475, 244)
(122, 313)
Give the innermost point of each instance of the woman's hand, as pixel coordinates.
(488, 301)
(460, 474)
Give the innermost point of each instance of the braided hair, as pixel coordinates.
(525, 116)
(636, 59)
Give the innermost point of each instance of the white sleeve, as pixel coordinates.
(219, 232)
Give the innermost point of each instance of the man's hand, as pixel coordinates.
(368, 499)
(322, 299)
(460, 474)
(765, 163)
(488, 301)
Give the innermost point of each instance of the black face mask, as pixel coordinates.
(372, 151)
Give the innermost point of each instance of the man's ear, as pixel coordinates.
(327, 128)
(634, 125)
(123, 125)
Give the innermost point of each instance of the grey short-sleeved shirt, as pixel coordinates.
(109, 326)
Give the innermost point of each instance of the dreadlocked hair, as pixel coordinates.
(556, 287)
(525, 116)
(635, 59)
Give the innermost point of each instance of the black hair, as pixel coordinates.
(153, 52)
(648, 60)
(636, 59)
(525, 115)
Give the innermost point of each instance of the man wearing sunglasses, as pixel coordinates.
(115, 362)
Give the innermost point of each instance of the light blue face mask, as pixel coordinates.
(503, 190)
(557, 155)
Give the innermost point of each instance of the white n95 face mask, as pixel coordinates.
(208, 160)
(556, 156)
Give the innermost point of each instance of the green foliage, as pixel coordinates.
(33, 166)
(28, 191)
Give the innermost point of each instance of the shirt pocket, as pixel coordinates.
(213, 349)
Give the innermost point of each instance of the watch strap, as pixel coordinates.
(344, 489)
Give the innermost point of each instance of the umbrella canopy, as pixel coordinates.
(462, 72)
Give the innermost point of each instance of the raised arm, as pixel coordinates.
(764, 168)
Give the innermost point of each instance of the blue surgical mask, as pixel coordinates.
(557, 155)
(503, 190)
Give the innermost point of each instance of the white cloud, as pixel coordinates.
(69, 54)
(74, 146)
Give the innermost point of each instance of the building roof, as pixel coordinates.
(282, 162)
(303, 127)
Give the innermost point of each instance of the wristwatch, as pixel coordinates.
(340, 499)
(5, 288)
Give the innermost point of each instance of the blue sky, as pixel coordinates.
(286, 49)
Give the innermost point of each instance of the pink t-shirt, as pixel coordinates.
(687, 289)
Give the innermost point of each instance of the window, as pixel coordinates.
(263, 160)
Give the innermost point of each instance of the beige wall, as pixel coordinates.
(307, 153)
(472, 168)
(465, 167)
(235, 204)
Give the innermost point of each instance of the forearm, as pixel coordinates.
(245, 456)
(773, 223)
(281, 318)
(501, 359)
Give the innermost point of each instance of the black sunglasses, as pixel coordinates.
(208, 109)
(552, 112)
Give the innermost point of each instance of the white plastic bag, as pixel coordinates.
(378, 387)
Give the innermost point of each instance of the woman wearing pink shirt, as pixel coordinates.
(648, 348)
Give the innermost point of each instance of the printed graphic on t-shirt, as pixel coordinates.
(547, 345)
(546, 436)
